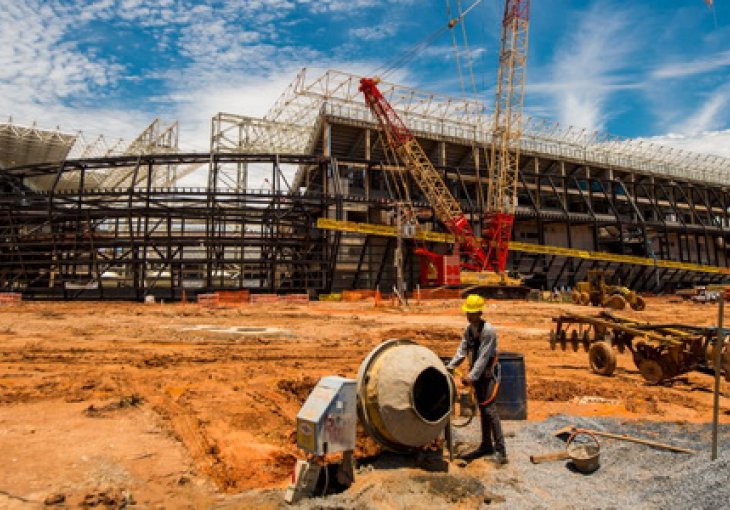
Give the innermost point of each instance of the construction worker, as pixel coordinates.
(479, 343)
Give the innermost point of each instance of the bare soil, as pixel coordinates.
(187, 407)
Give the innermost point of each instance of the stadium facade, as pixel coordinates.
(113, 221)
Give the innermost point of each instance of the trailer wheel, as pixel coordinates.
(553, 340)
(652, 371)
(602, 358)
(639, 304)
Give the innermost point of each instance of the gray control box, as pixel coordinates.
(327, 421)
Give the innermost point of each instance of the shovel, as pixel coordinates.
(566, 431)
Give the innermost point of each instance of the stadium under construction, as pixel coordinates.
(90, 219)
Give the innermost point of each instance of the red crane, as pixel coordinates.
(504, 160)
(410, 152)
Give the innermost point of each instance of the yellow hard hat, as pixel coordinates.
(473, 304)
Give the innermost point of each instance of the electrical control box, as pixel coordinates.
(327, 421)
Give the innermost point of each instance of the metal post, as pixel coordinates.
(398, 258)
(717, 362)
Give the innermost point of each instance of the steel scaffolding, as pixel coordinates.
(335, 93)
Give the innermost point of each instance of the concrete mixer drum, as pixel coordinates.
(405, 395)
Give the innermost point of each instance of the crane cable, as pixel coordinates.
(470, 66)
(410, 54)
(467, 49)
(456, 49)
(402, 193)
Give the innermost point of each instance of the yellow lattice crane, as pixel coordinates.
(506, 133)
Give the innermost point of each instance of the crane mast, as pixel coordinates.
(410, 152)
(507, 131)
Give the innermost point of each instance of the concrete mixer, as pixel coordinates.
(404, 398)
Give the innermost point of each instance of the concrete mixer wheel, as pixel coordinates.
(602, 358)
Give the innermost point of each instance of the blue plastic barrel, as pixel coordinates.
(512, 394)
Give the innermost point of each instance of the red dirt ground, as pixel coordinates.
(105, 400)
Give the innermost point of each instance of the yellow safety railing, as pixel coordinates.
(437, 237)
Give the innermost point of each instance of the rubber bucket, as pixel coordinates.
(585, 456)
(511, 398)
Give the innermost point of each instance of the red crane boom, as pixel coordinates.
(504, 160)
(410, 152)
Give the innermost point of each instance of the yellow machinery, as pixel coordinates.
(595, 291)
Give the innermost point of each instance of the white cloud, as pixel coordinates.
(250, 96)
(712, 114)
(698, 66)
(229, 55)
(708, 142)
(586, 66)
(37, 65)
(374, 33)
(322, 6)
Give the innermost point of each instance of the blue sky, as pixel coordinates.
(657, 68)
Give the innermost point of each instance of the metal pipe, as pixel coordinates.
(718, 369)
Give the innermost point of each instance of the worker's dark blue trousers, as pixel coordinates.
(492, 437)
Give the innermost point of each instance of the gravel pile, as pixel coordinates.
(631, 475)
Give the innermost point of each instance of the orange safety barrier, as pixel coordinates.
(10, 298)
(357, 295)
(438, 293)
(234, 297)
(295, 298)
(264, 298)
(209, 300)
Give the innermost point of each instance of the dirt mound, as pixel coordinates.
(406, 488)
(565, 390)
(424, 335)
(123, 403)
(297, 388)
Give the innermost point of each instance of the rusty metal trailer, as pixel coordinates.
(660, 351)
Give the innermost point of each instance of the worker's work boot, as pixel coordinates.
(483, 450)
(501, 458)
(486, 447)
